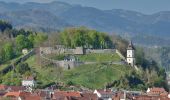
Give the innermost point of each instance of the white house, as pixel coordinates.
(28, 82)
(104, 94)
(130, 58)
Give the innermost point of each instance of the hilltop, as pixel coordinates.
(104, 71)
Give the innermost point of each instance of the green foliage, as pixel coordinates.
(99, 57)
(94, 76)
(69, 83)
(22, 68)
(39, 38)
(139, 55)
(76, 37)
(8, 52)
(120, 44)
(11, 79)
(22, 42)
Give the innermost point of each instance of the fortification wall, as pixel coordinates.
(78, 50)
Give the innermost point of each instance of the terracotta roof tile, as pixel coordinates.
(3, 87)
(66, 94)
(16, 88)
(17, 94)
(33, 97)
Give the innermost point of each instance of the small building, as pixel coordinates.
(25, 51)
(70, 58)
(104, 94)
(130, 58)
(28, 82)
(157, 91)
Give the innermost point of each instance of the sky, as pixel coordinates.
(144, 6)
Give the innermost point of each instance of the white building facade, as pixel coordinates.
(28, 83)
(130, 58)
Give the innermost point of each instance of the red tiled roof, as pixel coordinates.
(66, 94)
(33, 97)
(89, 96)
(29, 78)
(157, 91)
(3, 87)
(16, 88)
(145, 97)
(17, 94)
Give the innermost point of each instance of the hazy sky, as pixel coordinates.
(145, 6)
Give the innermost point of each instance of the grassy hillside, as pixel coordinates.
(90, 76)
(95, 76)
(99, 57)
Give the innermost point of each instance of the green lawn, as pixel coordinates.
(95, 76)
(102, 57)
(93, 57)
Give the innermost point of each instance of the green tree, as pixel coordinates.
(40, 38)
(22, 42)
(22, 68)
(8, 51)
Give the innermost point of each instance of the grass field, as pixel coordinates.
(95, 76)
(90, 76)
(93, 57)
(103, 57)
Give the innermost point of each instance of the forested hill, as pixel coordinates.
(57, 15)
(13, 41)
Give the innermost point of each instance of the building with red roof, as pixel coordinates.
(17, 95)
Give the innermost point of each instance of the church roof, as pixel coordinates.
(130, 46)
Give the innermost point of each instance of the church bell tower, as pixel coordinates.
(130, 58)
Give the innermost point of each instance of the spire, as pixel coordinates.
(130, 46)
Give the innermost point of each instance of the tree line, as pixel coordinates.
(12, 41)
(76, 37)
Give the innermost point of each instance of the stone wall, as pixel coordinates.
(77, 50)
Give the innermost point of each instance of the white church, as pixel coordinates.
(130, 58)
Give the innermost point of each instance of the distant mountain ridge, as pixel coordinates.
(58, 15)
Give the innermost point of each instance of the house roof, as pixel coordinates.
(17, 94)
(66, 94)
(33, 97)
(3, 87)
(107, 91)
(16, 88)
(146, 97)
(157, 91)
(89, 96)
(29, 78)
